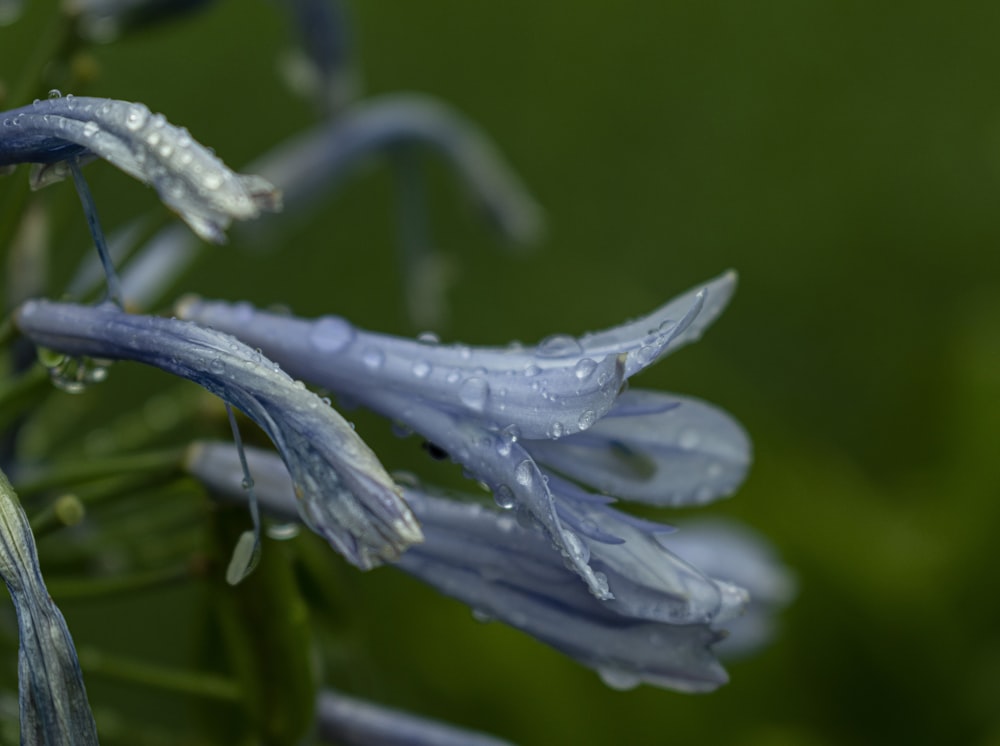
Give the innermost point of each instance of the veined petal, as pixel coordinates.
(510, 573)
(542, 391)
(668, 328)
(344, 492)
(53, 700)
(645, 579)
(187, 176)
(655, 448)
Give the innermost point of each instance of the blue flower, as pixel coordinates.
(188, 177)
(489, 409)
(508, 572)
(344, 493)
(53, 700)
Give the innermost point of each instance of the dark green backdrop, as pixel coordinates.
(844, 157)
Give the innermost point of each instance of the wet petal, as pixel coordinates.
(660, 449)
(541, 391)
(187, 176)
(343, 490)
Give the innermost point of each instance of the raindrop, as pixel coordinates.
(587, 419)
(428, 338)
(330, 334)
(474, 393)
(504, 497)
(373, 358)
(618, 679)
(559, 345)
(585, 368)
(688, 439)
(283, 531)
(421, 369)
(524, 473)
(90, 129)
(577, 549)
(55, 93)
(532, 370)
(556, 430)
(217, 366)
(136, 117)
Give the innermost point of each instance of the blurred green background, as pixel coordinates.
(843, 157)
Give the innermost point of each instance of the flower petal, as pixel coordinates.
(187, 176)
(342, 488)
(673, 451)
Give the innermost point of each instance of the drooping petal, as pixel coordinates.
(655, 448)
(508, 572)
(541, 391)
(188, 177)
(53, 699)
(341, 485)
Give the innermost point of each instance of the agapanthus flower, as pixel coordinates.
(187, 176)
(508, 572)
(53, 701)
(490, 408)
(344, 493)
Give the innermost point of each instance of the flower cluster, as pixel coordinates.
(553, 431)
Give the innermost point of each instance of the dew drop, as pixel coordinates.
(556, 430)
(532, 370)
(524, 473)
(474, 393)
(373, 358)
(585, 368)
(136, 117)
(559, 345)
(428, 338)
(504, 497)
(283, 531)
(688, 439)
(587, 419)
(217, 366)
(421, 369)
(618, 679)
(645, 354)
(330, 334)
(55, 93)
(577, 549)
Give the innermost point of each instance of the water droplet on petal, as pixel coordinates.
(688, 439)
(474, 393)
(504, 497)
(421, 369)
(55, 93)
(585, 368)
(428, 338)
(524, 473)
(559, 345)
(373, 358)
(217, 366)
(618, 679)
(530, 371)
(587, 419)
(136, 117)
(556, 430)
(330, 334)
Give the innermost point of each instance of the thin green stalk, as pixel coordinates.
(63, 589)
(193, 683)
(69, 475)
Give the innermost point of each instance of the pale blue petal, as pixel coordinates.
(188, 177)
(344, 492)
(674, 451)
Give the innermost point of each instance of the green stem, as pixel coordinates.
(193, 683)
(63, 589)
(67, 475)
(22, 394)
